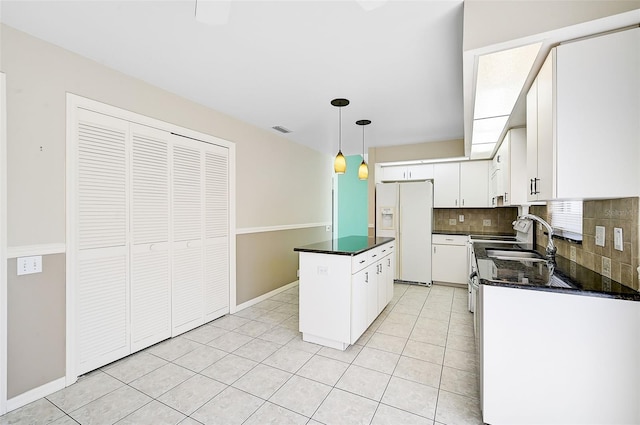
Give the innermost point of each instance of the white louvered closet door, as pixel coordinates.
(150, 203)
(102, 293)
(187, 220)
(216, 203)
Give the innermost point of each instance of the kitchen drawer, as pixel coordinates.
(450, 239)
(359, 262)
(375, 254)
(387, 249)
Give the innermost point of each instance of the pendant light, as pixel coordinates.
(340, 163)
(363, 170)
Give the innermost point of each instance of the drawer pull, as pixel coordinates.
(374, 255)
(362, 261)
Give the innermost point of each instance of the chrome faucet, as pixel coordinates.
(551, 248)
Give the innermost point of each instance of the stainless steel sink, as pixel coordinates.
(514, 255)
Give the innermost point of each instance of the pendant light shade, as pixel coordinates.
(363, 170)
(340, 163)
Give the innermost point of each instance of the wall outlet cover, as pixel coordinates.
(452, 222)
(617, 239)
(606, 267)
(461, 218)
(486, 222)
(600, 235)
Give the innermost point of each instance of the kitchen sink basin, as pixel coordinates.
(515, 254)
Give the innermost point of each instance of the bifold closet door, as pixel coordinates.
(216, 215)
(101, 215)
(150, 203)
(188, 244)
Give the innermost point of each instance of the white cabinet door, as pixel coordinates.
(385, 280)
(394, 173)
(407, 172)
(474, 184)
(187, 265)
(364, 290)
(598, 110)
(446, 185)
(101, 267)
(544, 186)
(515, 177)
(420, 172)
(450, 263)
(150, 278)
(532, 140)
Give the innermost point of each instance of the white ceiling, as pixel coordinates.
(281, 62)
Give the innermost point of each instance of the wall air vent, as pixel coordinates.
(281, 129)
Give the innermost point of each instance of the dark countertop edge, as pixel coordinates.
(379, 241)
(630, 296)
(569, 291)
(469, 233)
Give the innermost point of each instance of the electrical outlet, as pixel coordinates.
(572, 253)
(29, 265)
(461, 218)
(606, 266)
(298, 273)
(327, 228)
(617, 239)
(486, 222)
(452, 222)
(600, 235)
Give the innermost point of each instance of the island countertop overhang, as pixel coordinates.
(349, 245)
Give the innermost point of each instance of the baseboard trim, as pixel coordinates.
(263, 297)
(35, 394)
(29, 250)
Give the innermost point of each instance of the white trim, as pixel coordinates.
(248, 230)
(3, 245)
(263, 297)
(74, 103)
(35, 394)
(43, 249)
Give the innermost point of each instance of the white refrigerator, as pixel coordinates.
(405, 211)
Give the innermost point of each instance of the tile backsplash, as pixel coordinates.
(476, 220)
(610, 213)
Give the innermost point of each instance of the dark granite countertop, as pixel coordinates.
(350, 245)
(568, 276)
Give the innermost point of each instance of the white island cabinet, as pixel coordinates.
(344, 285)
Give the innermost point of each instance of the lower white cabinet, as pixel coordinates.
(449, 261)
(557, 358)
(341, 295)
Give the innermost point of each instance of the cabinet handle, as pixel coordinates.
(404, 175)
(409, 174)
(434, 249)
(535, 185)
(448, 239)
(506, 198)
(456, 202)
(362, 261)
(366, 277)
(374, 255)
(389, 262)
(463, 202)
(530, 186)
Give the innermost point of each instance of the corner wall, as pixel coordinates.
(279, 185)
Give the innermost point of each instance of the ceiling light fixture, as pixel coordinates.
(340, 163)
(363, 170)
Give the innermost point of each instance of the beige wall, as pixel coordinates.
(418, 151)
(278, 182)
(269, 260)
(35, 340)
(488, 22)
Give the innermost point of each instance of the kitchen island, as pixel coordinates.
(344, 285)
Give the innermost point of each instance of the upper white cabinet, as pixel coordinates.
(446, 185)
(461, 184)
(508, 170)
(474, 184)
(582, 120)
(540, 134)
(407, 172)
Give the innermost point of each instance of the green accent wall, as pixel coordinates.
(353, 197)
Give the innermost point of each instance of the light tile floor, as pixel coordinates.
(414, 365)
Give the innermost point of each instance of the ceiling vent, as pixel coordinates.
(281, 129)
